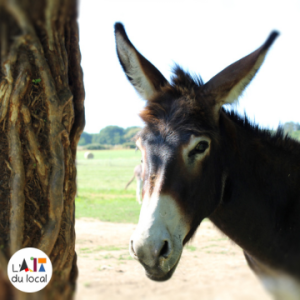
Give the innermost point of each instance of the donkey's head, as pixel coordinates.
(181, 150)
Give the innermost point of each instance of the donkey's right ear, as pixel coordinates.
(145, 78)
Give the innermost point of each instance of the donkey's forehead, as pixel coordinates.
(171, 112)
(163, 137)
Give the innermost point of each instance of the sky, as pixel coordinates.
(203, 37)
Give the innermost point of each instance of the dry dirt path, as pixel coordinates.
(211, 267)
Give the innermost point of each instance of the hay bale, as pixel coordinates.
(88, 155)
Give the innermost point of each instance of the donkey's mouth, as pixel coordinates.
(161, 277)
(158, 274)
(164, 267)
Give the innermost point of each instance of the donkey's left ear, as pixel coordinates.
(229, 84)
(145, 78)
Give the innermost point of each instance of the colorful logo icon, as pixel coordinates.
(29, 270)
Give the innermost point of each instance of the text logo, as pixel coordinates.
(29, 270)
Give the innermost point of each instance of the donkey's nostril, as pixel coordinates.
(132, 249)
(164, 252)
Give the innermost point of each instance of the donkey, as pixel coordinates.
(200, 161)
(137, 174)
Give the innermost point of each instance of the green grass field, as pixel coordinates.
(101, 183)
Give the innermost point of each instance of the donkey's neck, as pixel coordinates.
(260, 207)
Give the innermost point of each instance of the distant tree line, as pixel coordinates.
(290, 127)
(109, 136)
(115, 135)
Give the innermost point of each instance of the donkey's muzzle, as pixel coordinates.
(156, 256)
(157, 241)
(151, 252)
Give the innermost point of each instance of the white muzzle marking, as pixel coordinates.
(158, 238)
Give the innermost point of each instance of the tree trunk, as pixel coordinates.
(41, 119)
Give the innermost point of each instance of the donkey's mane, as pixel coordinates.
(186, 111)
(185, 80)
(277, 138)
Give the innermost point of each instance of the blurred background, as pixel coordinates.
(203, 37)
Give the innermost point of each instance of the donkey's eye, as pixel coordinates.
(200, 148)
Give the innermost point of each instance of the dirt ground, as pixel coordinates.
(211, 267)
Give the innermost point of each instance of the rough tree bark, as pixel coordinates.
(41, 119)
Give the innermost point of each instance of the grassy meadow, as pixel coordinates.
(101, 182)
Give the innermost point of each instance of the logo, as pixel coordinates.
(29, 270)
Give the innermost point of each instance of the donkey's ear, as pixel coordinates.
(146, 79)
(229, 84)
